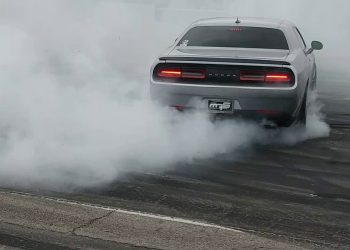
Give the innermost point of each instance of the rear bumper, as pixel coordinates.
(279, 105)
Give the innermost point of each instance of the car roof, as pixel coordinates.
(244, 21)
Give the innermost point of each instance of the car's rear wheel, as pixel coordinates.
(303, 111)
(301, 119)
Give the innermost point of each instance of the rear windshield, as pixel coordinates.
(235, 37)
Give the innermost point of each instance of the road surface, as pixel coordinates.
(271, 197)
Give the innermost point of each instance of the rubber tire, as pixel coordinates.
(303, 110)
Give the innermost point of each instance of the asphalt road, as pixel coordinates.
(298, 195)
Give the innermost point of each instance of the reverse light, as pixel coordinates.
(194, 74)
(256, 76)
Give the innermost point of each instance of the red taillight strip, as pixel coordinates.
(179, 73)
(169, 73)
(278, 77)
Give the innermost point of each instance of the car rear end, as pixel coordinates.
(215, 69)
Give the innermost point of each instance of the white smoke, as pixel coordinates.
(74, 103)
(315, 125)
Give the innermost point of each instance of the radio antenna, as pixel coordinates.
(238, 21)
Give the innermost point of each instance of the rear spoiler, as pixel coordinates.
(224, 60)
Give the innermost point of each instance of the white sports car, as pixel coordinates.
(248, 67)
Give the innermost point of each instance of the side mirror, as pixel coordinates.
(315, 45)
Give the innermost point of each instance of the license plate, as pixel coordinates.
(220, 106)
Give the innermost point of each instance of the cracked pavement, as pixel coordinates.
(26, 219)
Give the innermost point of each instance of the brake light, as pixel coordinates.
(179, 107)
(237, 29)
(170, 73)
(263, 76)
(278, 77)
(181, 73)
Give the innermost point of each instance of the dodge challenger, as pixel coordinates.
(239, 67)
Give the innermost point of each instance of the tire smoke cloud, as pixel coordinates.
(74, 106)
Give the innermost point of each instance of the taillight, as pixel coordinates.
(266, 77)
(181, 73)
(278, 77)
(170, 73)
(179, 107)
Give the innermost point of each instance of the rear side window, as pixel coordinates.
(235, 37)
